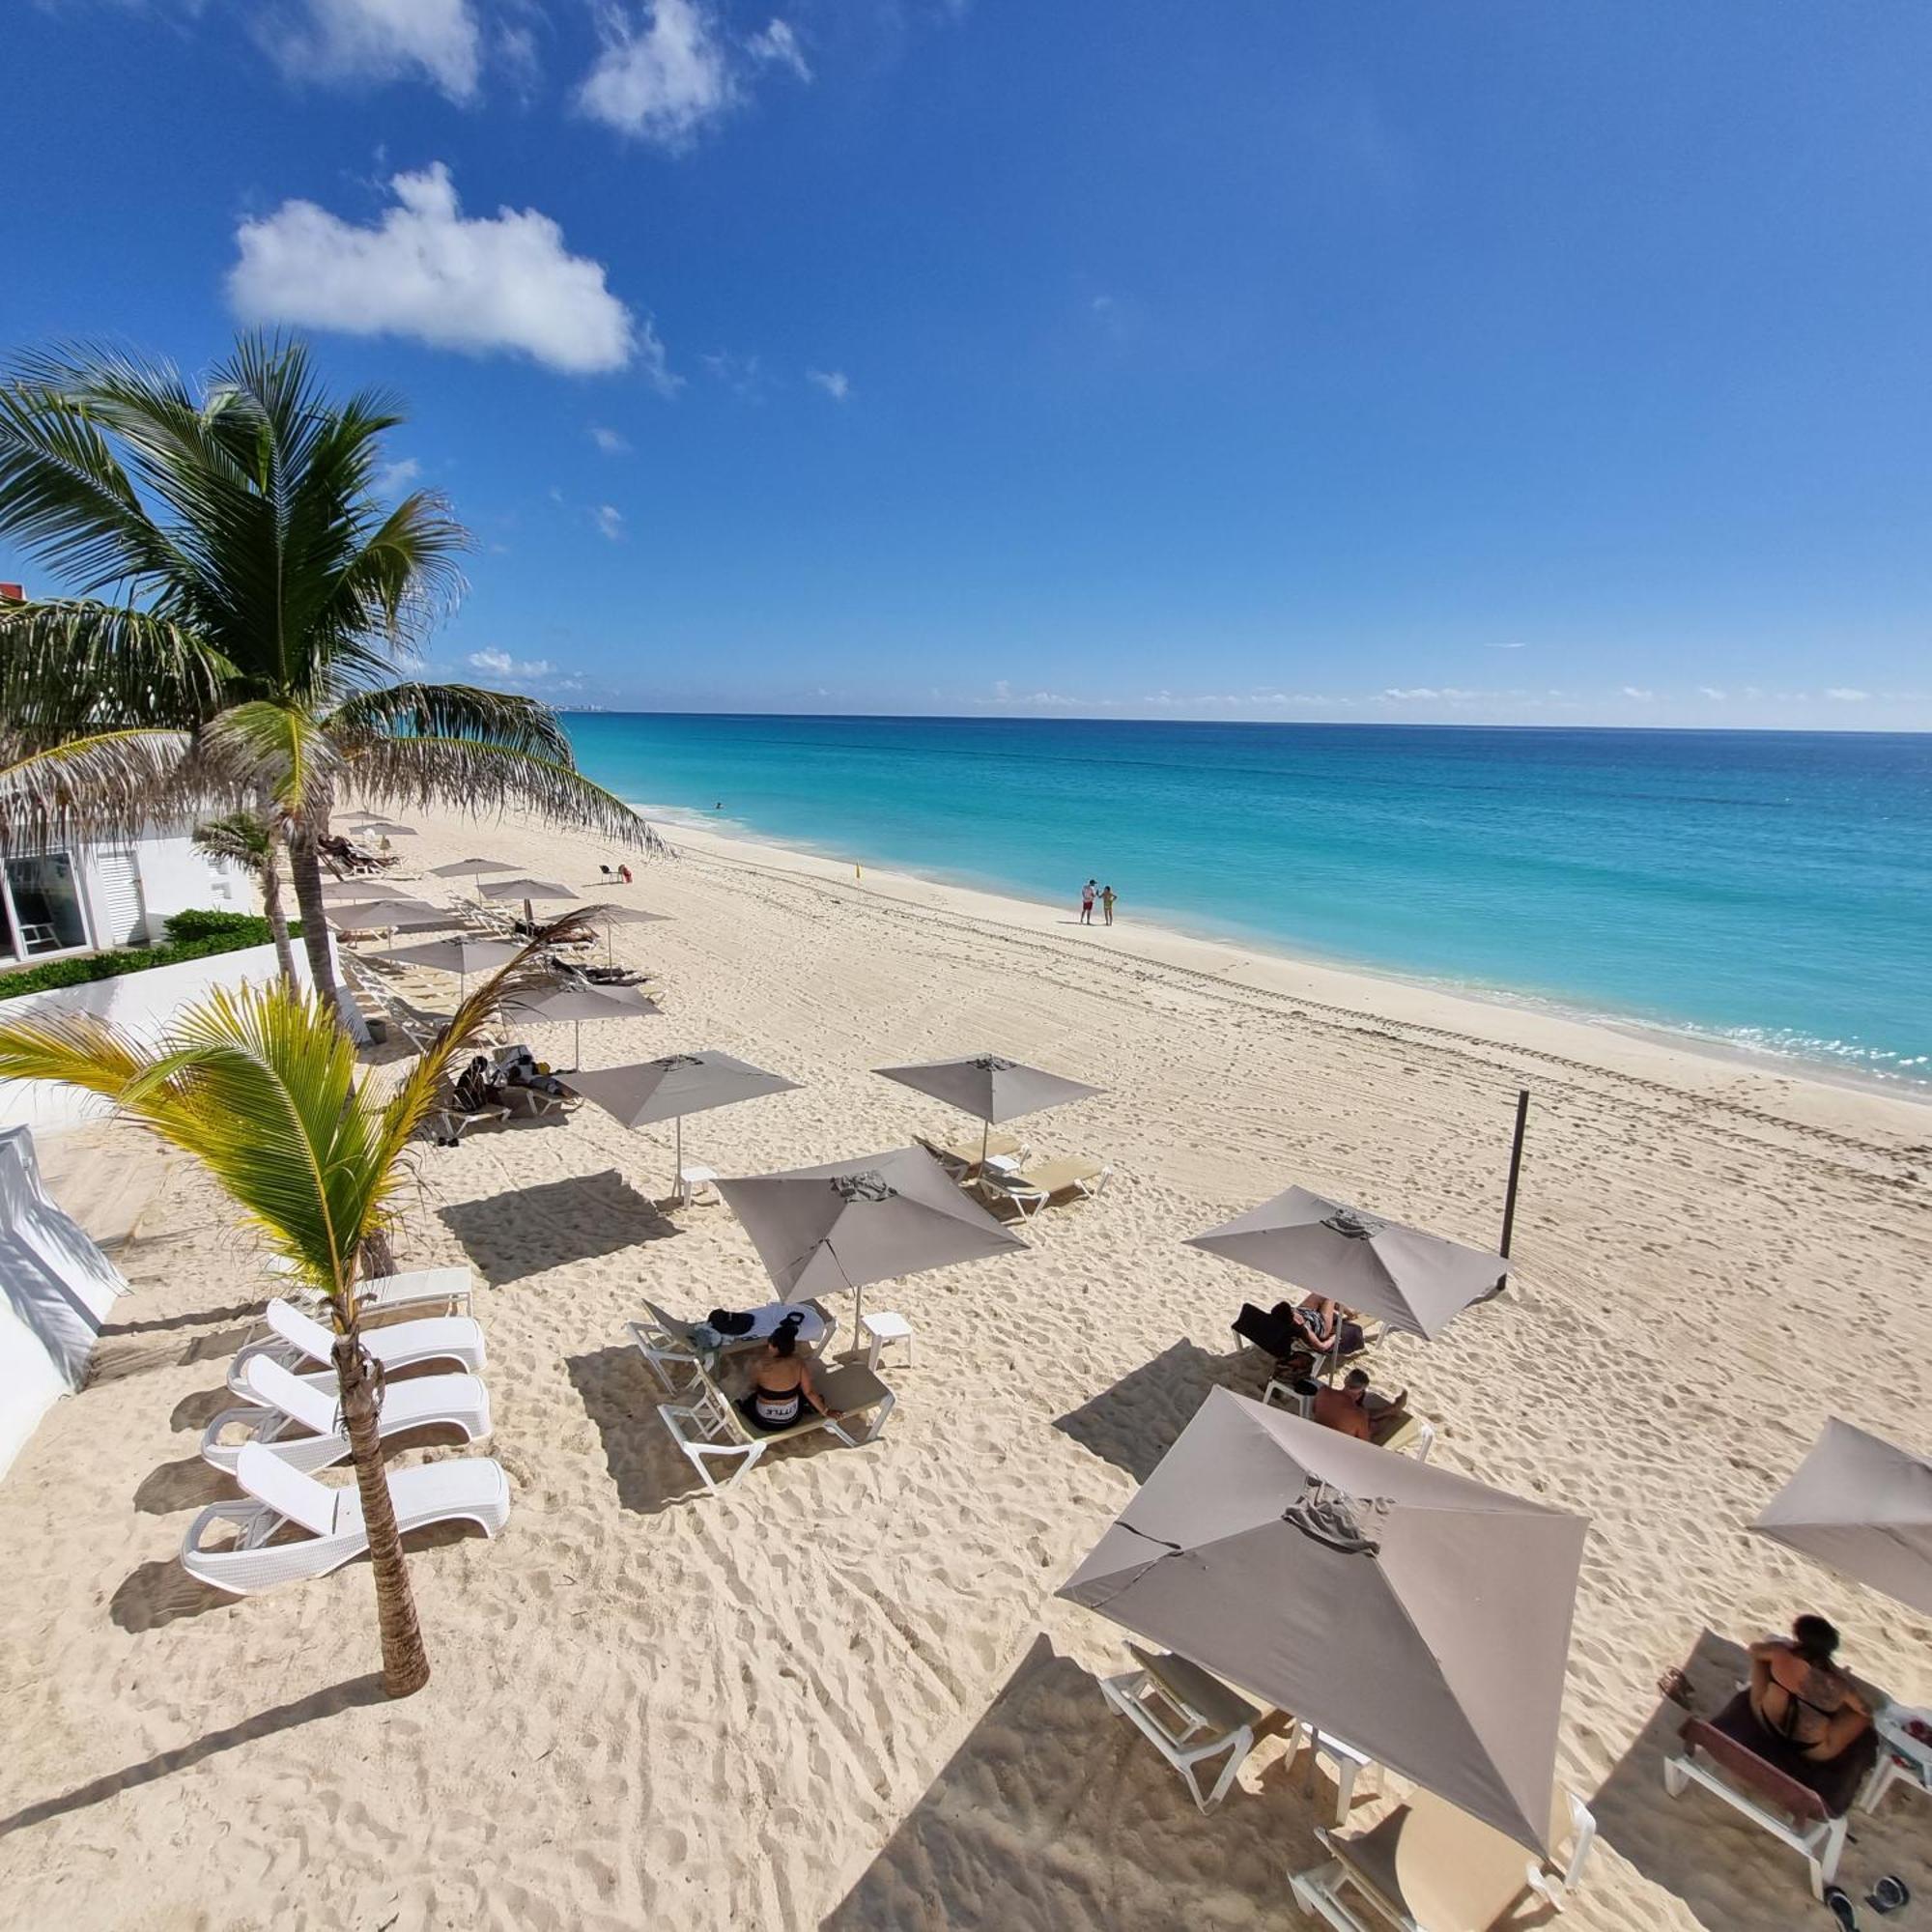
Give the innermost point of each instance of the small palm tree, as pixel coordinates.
(247, 839)
(261, 1086)
(244, 601)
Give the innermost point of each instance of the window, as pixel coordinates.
(44, 902)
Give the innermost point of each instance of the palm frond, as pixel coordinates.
(464, 711)
(106, 786)
(71, 665)
(274, 751)
(240, 838)
(460, 774)
(64, 496)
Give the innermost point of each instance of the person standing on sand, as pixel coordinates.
(1086, 902)
(1107, 897)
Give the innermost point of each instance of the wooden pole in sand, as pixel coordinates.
(1516, 1176)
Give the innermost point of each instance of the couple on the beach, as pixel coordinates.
(1087, 894)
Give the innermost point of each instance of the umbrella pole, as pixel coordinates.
(985, 1136)
(609, 954)
(576, 1045)
(677, 1156)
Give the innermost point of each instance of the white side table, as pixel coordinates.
(692, 1181)
(1902, 1758)
(882, 1326)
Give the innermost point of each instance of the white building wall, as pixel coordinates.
(174, 878)
(144, 1003)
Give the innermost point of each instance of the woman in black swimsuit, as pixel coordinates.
(1799, 1694)
(783, 1384)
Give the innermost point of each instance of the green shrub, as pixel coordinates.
(246, 928)
(191, 935)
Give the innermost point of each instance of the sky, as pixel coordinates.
(1542, 361)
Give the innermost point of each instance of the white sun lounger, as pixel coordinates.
(707, 1427)
(297, 1341)
(444, 1291)
(1190, 1716)
(1030, 1188)
(300, 1422)
(1429, 1868)
(471, 1489)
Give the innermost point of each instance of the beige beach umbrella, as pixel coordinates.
(990, 1088)
(386, 915)
(1420, 1615)
(471, 869)
(528, 889)
(1414, 1281)
(650, 1090)
(614, 915)
(1861, 1507)
(386, 828)
(336, 890)
(460, 955)
(578, 1003)
(835, 1229)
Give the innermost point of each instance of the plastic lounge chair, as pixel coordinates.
(671, 1348)
(300, 1422)
(1030, 1188)
(1190, 1716)
(961, 1158)
(297, 1341)
(1429, 1868)
(439, 1290)
(468, 1487)
(1772, 1800)
(1401, 1430)
(709, 1429)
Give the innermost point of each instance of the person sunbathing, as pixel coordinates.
(1800, 1696)
(782, 1383)
(1322, 1321)
(1356, 1410)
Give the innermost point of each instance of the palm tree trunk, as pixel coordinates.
(305, 868)
(278, 919)
(404, 1662)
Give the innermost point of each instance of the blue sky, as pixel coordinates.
(1298, 358)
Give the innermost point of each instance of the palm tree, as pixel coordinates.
(244, 602)
(247, 839)
(261, 1086)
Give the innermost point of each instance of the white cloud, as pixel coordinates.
(834, 382)
(1845, 693)
(393, 479)
(501, 282)
(610, 522)
(1712, 692)
(1405, 694)
(500, 664)
(1513, 646)
(1641, 697)
(611, 441)
(778, 45)
(660, 78)
(380, 40)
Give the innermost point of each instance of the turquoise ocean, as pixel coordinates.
(1771, 891)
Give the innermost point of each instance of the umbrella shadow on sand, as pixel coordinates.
(1054, 1813)
(1731, 1876)
(1136, 1421)
(527, 1231)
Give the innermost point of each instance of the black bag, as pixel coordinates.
(728, 1322)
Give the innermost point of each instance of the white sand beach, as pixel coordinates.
(843, 1696)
